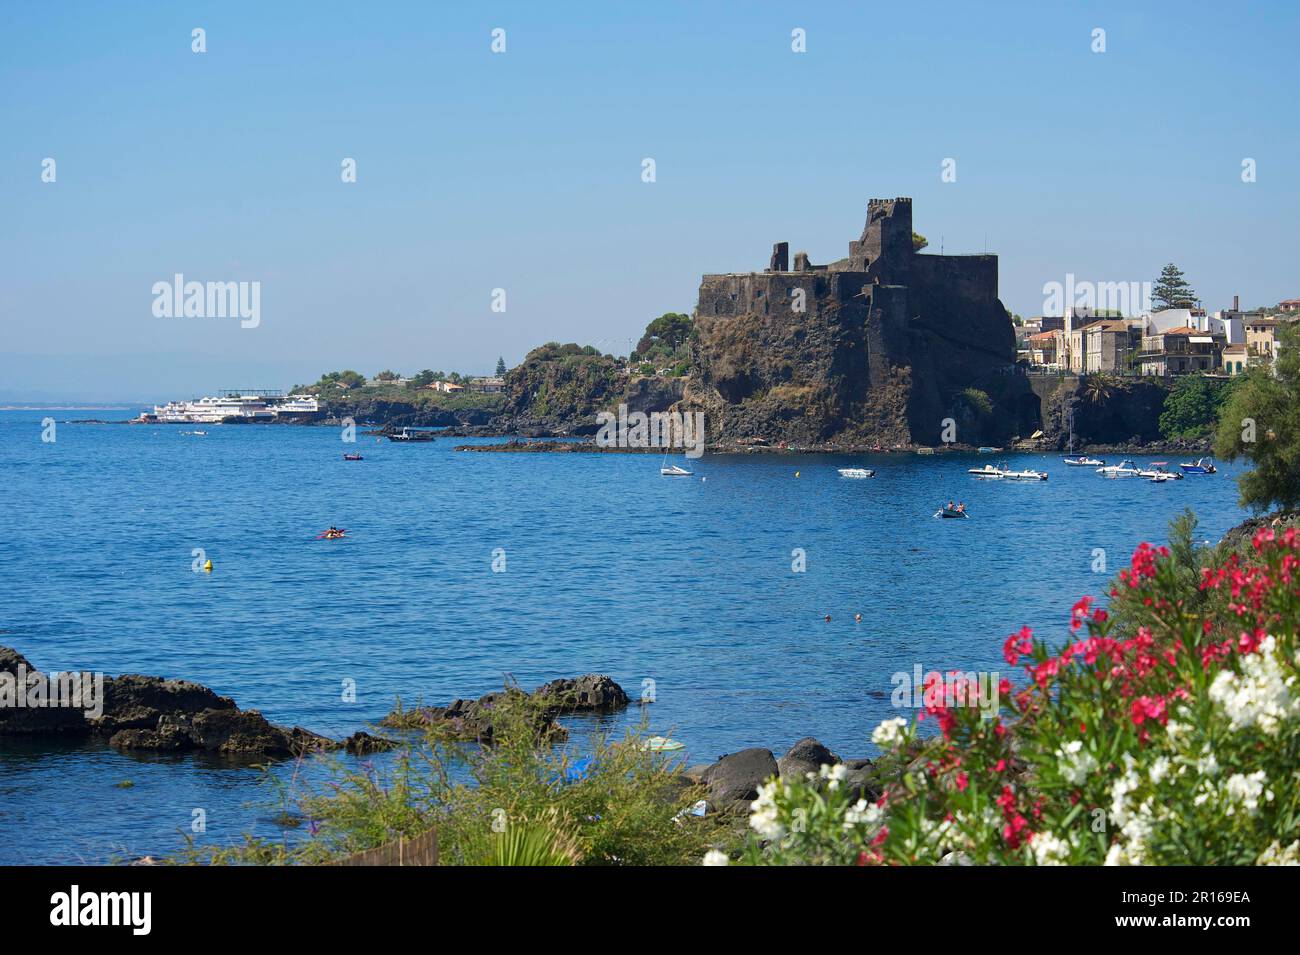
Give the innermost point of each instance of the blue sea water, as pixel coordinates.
(609, 567)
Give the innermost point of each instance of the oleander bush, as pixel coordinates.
(1172, 737)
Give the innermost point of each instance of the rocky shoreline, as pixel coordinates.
(154, 713)
(546, 444)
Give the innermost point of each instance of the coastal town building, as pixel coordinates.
(1261, 337)
(487, 386)
(1289, 305)
(1044, 349)
(1236, 359)
(1107, 346)
(1181, 351)
(447, 387)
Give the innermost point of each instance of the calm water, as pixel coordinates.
(609, 568)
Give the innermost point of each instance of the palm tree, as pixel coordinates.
(1096, 387)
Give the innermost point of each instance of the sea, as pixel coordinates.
(730, 597)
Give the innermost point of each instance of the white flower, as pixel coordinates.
(1074, 763)
(956, 858)
(1117, 855)
(1246, 790)
(889, 733)
(864, 813)
(714, 857)
(764, 816)
(1159, 769)
(1276, 855)
(1049, 850)
(835, 774)
(1261, 695)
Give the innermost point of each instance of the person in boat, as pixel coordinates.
(950, 506)
(961, 508)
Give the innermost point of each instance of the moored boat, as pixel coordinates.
(674, 471)
(1159, 471)
(988, 471)
(857, 472)
(1125, 468)
(1028, 474)
(1199, 466)
(411, 434)
(1083, 461)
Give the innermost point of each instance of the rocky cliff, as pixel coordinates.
(561, 388)
(885, 345)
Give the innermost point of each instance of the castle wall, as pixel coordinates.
(973, 278)
(763, 293)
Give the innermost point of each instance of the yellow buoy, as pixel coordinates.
(208, 566)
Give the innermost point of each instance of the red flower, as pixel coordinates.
(1017, 645)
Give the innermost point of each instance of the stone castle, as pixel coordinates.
(882, 345)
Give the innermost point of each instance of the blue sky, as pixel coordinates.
(522, 170)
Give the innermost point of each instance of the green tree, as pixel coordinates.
(501, 367)
(1096, 388)
(1193, 406)
(919, 242)
(387, 375)
(1171, 289)
(423, 379)
(1261, 423)
(665, 335)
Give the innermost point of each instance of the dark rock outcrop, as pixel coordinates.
(149, 712)
(362, 744)
(805, 756)
(20, 676)
(733, 780)
(595, 691)
(474, 720)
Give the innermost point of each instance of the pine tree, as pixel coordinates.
(501, 367)
(1171, 290)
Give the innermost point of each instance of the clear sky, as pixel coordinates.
(523, 170)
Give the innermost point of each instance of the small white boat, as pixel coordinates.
(1083, 461)
(988, 471)
(1159, 472)
(674, 471)
(1125, 468)
(857, 473)
(1029, 474)
(1199, 466)
(987, 450)
(200, 433)
(925, 450)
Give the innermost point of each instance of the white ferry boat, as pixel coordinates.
(235, 408)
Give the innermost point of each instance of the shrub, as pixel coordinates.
(517, 802)
(1170, 739)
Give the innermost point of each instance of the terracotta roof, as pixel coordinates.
(1234, 349)
(1043, 337)
(1183, 331)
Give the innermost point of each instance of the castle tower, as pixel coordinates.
(886, 241)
